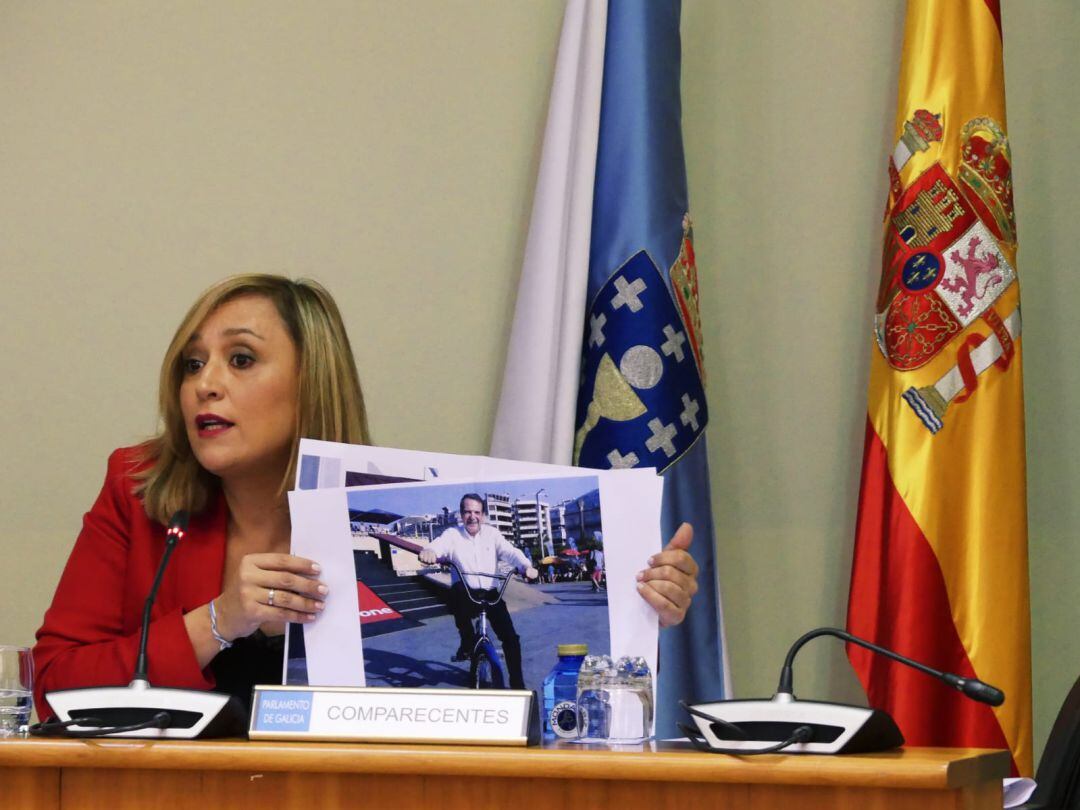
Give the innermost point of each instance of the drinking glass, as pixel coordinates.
(614, 700)
(16, 690)
(630, 697)
(594, 710)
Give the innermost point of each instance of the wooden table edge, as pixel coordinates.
(929, 768)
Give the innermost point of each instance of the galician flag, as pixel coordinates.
(940, 570)
(605, 365)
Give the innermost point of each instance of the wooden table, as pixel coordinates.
(178, 775)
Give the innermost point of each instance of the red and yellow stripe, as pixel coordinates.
(940, 569)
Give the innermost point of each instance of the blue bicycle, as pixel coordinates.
(486, 670)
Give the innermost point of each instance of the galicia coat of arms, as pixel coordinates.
(642, 399)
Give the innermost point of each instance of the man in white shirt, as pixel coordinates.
(478, 546)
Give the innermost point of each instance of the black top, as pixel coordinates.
(256, 659)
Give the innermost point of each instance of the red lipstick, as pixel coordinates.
(209, 425)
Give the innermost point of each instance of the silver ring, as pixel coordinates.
(270, 599)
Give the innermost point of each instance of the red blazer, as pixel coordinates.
(90, 635)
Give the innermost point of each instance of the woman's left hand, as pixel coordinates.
(670, 581)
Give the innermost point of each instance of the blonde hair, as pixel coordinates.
(330, 403)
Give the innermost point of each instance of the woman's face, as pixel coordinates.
(239, 390)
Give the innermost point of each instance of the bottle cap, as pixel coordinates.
(573, 649)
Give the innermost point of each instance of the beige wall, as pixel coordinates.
(390, 150)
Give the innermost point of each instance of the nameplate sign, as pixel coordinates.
(343, 713)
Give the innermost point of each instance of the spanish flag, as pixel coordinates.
(940, 569)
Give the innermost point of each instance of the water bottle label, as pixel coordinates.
(563, 720)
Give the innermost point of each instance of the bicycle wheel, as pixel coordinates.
(486, 671)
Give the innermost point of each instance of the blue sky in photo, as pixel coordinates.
(430, 497)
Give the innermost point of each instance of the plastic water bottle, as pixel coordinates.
(559, 712)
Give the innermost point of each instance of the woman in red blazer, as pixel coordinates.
(257, 362)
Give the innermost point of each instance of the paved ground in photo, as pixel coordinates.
(420, 656)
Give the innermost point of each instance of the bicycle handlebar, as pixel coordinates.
(469, 591)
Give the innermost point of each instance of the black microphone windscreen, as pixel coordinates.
(179, 521)
(983, 692)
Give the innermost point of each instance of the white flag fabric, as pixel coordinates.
(535, 418)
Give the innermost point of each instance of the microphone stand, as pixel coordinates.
(139, 709)
(812, 727)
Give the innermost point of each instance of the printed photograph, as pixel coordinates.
(474, 584)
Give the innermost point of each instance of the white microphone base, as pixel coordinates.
(837, 728)
(192, 713)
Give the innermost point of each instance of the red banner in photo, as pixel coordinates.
(372, 608)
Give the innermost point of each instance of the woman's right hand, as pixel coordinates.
(289, 583)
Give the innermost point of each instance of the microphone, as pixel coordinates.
(809, 727)
(177, 526)
(139, 709)
(972, 687)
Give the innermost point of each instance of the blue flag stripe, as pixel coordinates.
(639, 202)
